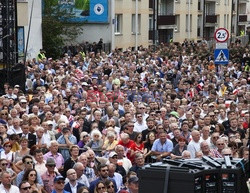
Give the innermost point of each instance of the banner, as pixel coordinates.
(88, 11)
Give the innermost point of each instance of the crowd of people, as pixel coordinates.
(88, 123)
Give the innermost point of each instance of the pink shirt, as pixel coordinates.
(58, 158)
(48, 181)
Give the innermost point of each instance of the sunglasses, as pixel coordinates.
(115, 157)
(85, 136)
(51, 166)
(7, 146)
(26, 188)
(4, 164)
(32, 175)
(31, 162)
(4, 113)
(105, 170)
(101, 188)
(60, 182)
(111, 186)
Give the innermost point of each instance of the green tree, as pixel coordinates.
(56, 29)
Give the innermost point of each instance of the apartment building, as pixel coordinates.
(177, 20)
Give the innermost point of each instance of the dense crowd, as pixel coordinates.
(89, 122)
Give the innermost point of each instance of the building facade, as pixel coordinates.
(177, 20)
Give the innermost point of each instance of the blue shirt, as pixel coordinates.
(165, 147)
(65, 151)
(64, 191)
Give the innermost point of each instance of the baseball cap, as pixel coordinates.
(174, 113)
(23, 101)
(112, 154)
(49, 122)
(57, 178)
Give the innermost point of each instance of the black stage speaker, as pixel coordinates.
(206, 175)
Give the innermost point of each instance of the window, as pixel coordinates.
(138, 25)
(151, 20)
(118, 23)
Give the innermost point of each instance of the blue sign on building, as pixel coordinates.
(86, 11)
(221, 56)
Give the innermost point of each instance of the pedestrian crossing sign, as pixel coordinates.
(221, 56)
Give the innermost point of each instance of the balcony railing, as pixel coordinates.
(166, 20)
(211, 18)
(242, 18)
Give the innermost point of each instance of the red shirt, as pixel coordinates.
(128, 146)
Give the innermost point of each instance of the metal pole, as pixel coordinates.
(189, 21)
(136, 25)
(28, 36)
(113, 23)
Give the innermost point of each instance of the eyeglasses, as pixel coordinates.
(115, 157)
(31, 162)
(60, 182)
(4, 164)
(4, 113)
(7, 146)
(26, 188)
(111, 186)
(32, 175)
(101, 188)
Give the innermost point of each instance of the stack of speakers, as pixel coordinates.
(206, 175)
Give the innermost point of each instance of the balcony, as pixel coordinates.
(211, 19)
(242, 18)
(166, 20)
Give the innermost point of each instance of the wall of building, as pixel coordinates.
(35, 36)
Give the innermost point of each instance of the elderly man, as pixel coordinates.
(126, 143)
(122, 160)
(88, 171)
(49, 175)
(113, 159)
(53, 153)
(73, 185)
(6, 185)
(114, 175)
(162, 147)
(139, 163)
(194, 144)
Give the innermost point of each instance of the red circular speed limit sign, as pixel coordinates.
(221, 35)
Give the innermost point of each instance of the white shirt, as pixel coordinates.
(12, 130)
(125, 163)
(73, 188)
(83, 180)
(193, 147)
(13, 189)
(140, 127)
(118, 179)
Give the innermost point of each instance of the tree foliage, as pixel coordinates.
(56, 29)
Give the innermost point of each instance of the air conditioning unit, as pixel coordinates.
(175, 29)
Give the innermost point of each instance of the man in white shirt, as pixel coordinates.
(72, 185)
(6, 185)
(140, 125)
(122, 160)
(194, 144)
(15, 128)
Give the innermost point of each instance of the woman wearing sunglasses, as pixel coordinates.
(110, 186)
(100, 187)
(31, 176)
